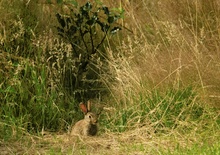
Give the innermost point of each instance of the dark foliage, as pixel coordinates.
(85, 28)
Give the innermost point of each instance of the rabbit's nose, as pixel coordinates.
(95, 121)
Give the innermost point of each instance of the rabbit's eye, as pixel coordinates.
(89, 116)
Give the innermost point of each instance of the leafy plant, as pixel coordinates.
(85, 29)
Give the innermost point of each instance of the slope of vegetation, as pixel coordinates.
(156, 81)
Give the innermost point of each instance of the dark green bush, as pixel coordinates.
(35, 76)
(86, 29)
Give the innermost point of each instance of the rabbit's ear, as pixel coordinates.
(83, 108)
(89, 105)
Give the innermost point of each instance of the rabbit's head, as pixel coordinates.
(90, 117)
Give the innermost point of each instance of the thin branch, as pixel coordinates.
(101, 41)
(91, 38)
(82, 36)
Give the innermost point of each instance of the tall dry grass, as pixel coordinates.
(172, 44)
(161, 72)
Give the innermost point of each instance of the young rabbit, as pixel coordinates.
(88, 125)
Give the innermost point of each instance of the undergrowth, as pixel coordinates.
(159, 74)
(175, 110)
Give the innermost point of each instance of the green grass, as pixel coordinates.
(161, 79)
(202, 149)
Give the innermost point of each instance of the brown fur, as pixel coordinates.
(86, 126)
